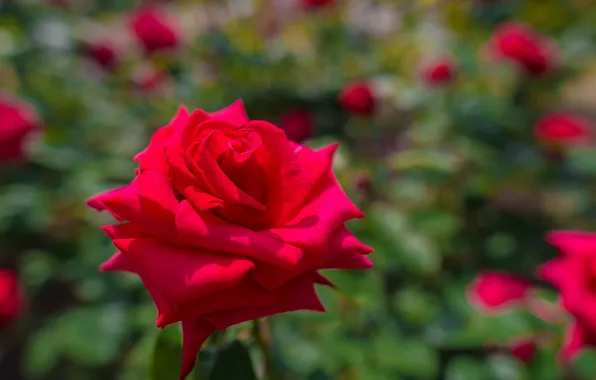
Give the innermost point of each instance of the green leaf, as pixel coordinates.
(465, 368)
(167, 354)
(228, 362)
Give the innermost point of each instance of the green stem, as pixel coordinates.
(262, 334)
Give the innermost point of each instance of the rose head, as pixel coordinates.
(314, 4)
(496, 291)
(358, 99)
(562, 129)
(153, 30)
(517, 42)
(574, 276)
(11, 300)
(17, 121)
(228, 221)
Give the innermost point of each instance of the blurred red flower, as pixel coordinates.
(298, 124)
(312, 4)
(103, 54)
(519, 43)
(523, 349)
(17, 121)
(574, 276)
(152, 28)
(358, 99)
(496, 291)
(562, 128)
(439, 72)
(11, 297)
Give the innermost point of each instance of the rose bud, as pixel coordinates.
(562, 129)
(298, 124)
(497, 291)
(439, 72)
(18, 121)
(154, 31)
(358, 99)
(520, 44)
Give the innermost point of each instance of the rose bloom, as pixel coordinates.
(153, 30)
(298, 124)
(11, 298)
(103, 54)
(574, 276)
(358, 99)
(439, 72)
(228, 221)
(497, 291)
(562, 129)
(519, 43)
(18, 121)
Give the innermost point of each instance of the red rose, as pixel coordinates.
(153, 30)
(562, 128)
(11, 300)
(439, 72)
(523, 349)
(298, 124)
(496, 291)
(358, 98)
(103, 54)
(17, 121)
(313, 4)
(522, 45)
(574, 276)
(228, 221)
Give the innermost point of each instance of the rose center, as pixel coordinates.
(240, 145)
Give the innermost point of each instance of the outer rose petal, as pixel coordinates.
(297, 295)
(162, 135)
(576, 337)
(572, 242)
(183, 274)
(343, 251)
(234, 114)
(195, 332)
(495, 291)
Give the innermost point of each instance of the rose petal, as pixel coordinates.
(183, 274)
(195, 332)
(496, 291)
(298, 295)
(216, 234)
(234, 114)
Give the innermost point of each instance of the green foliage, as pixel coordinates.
(459, 183)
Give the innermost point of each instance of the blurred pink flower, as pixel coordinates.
(154, 31)
(18, 120)
(519, 43)
(523, 349)
(313, 4)
(11, 297)
(358, 99)
(103, 54)
(496, 291)
(440, 71)
(562, 128)
(298, 124)
(574, 276)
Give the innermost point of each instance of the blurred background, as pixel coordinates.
(466, 131)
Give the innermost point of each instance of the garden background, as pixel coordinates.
(447, 166)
